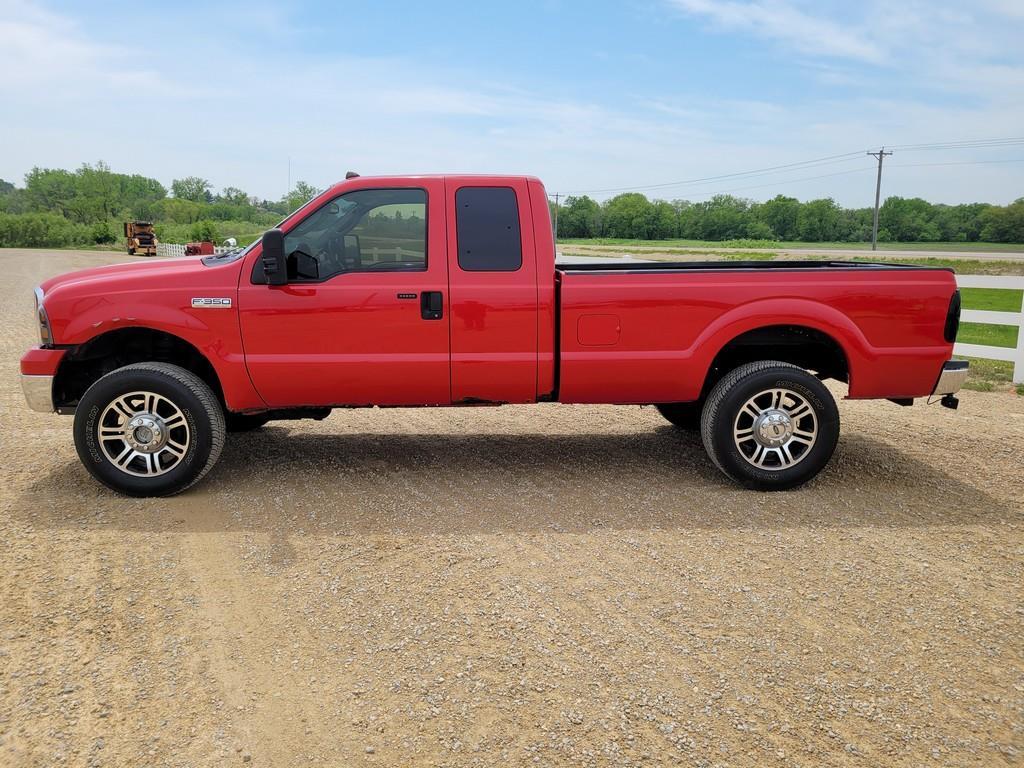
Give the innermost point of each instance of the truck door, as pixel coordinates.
(364, 317)
(493, 282)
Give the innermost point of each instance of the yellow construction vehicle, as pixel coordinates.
(139, 238)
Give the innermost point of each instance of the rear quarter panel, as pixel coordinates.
(672, 324)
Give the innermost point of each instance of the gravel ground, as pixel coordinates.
(541, 585)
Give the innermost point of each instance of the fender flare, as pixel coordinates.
(782, 312)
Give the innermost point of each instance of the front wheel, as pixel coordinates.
(770, 425)
(149, 429)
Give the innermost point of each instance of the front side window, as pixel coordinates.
(370, 230)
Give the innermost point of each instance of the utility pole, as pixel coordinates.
(880, 154)
(556, 196)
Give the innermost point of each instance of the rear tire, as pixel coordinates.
(149, 429)
(682, 415)
(770, 425)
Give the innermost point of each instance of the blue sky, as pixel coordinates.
(586, 95)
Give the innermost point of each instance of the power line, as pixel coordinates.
(961, 162)
(786, 181)
(967, 144)
(1011, 141)
(805, 163)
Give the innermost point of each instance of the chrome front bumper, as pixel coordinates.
(952, 378)
(38, 392)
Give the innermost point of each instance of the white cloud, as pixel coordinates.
(784, 22)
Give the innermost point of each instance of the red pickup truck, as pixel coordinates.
(443, 290)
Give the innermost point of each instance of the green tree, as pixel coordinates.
(233, 196)
(724, 218)
(192, 188)
(629, 215)
(908, 220)
(1004, 224)
(204, 230)
(780, 214)
(818, 221)
(579, 217)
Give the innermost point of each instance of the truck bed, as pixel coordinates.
(651, 331)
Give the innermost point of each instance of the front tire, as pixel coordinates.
(149, 429)
(770, 425)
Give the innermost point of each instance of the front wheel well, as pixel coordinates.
(87, 362)
(798, 345)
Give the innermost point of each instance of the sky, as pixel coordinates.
(592, 96)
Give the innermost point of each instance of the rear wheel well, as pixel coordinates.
(97, 357)
(799, 345)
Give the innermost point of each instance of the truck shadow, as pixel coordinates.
(440, 484)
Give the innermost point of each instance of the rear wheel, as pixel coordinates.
(149, 429)
(770, 425)
(682, 415)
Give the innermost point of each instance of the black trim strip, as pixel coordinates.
(742, 266)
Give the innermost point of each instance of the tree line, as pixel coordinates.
(57, 207)
(724, 217)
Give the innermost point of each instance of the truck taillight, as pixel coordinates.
(952, 318)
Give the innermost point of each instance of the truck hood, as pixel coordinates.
(152, 272)
(156, 294)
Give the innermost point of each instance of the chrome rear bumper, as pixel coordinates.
(38, 392)
(952, 378)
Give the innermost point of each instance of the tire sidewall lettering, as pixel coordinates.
(91, 434)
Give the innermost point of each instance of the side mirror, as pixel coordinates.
(274, 267)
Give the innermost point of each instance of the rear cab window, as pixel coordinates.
(487, 228)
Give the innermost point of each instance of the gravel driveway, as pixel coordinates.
(543, 585)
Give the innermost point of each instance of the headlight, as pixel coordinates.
(44, 322)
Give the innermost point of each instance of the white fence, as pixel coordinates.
(1015, 356)
(176, 249)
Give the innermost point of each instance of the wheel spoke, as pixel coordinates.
(802, 437)
(743, 435)
(125, 457)
(802, 410)
(758, 458)
(785, 456)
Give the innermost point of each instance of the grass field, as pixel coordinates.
(995, 300)
(788, 245)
